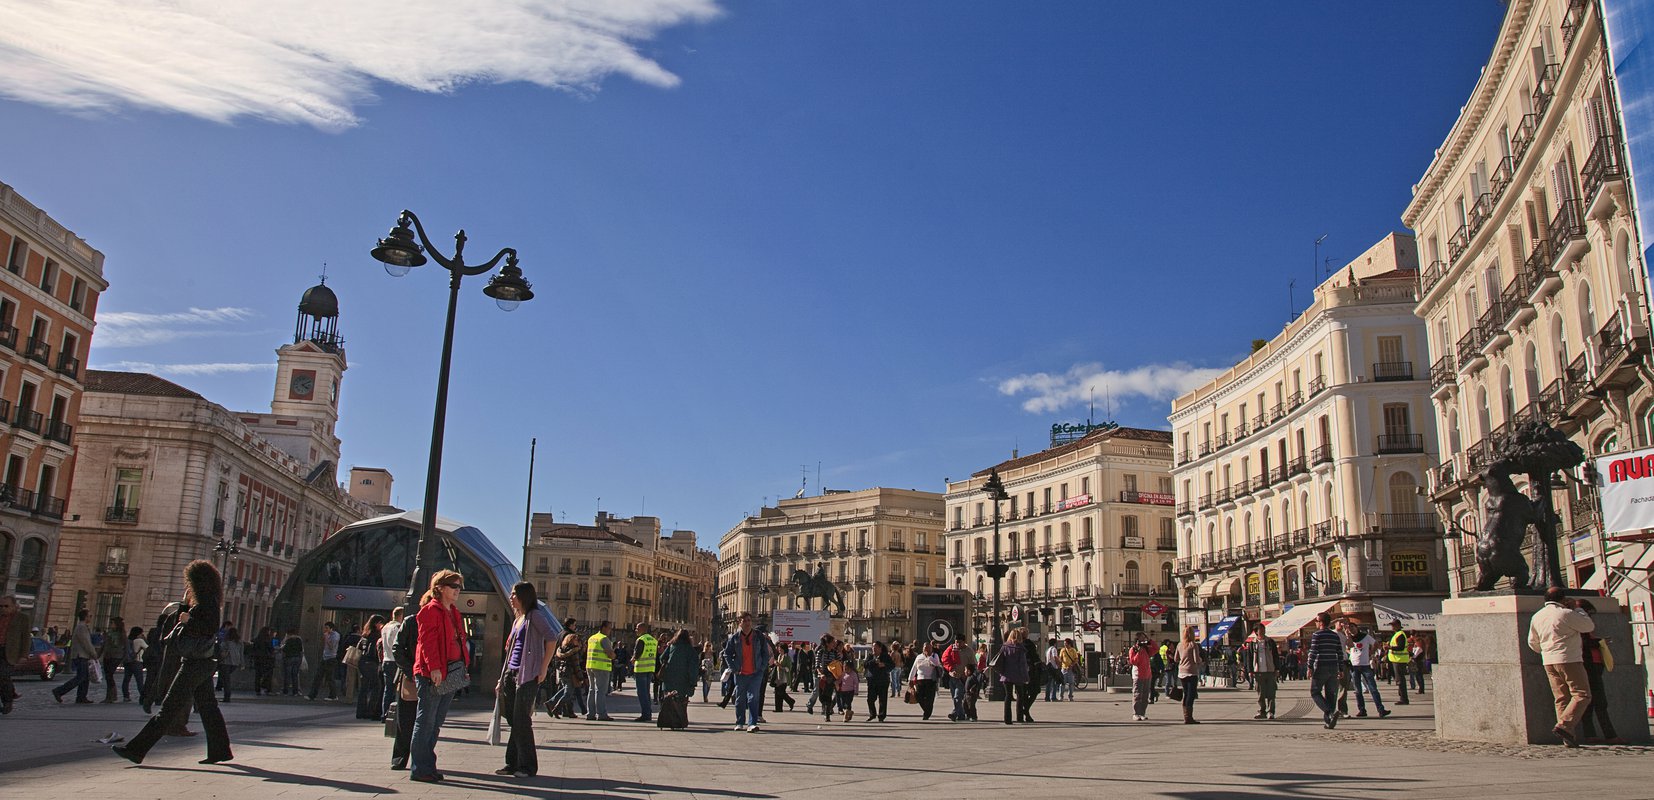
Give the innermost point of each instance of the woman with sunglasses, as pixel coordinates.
(441, 646)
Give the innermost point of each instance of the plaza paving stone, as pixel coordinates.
(1088, 748)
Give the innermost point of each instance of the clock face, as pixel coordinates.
(302, 384)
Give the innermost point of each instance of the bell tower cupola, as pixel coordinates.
(308, 373)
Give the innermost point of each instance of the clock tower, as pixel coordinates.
(308, 372)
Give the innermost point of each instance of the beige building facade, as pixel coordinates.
(167, 476)
(1087, 532)
(49, 290)
(622, 570)
(1534, 292)
(877, 545)
(1300, 470)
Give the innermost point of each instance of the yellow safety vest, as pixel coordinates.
(597, 656)
(645, 660)
(1398, 649)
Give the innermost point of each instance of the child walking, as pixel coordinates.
(848, 683)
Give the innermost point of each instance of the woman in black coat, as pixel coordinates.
(1028, 691)
(194, 641)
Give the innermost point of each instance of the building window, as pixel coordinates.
(109, 607)
(128, 488)
(17, 256)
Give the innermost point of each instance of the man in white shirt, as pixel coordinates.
(1554, 633)
(330, 663)
(1053, 671)
(1360, 650)
(387, 664)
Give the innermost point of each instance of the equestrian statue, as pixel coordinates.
(817, 585)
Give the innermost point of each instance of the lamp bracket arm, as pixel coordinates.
(508, 253)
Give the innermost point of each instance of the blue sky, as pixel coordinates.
(892, 238)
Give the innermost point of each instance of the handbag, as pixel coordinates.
(910, 695)
(304, 663)
(407, 690)
(353, 656)
(1175, 694)
(494, 721)
(1607, 655)
(454, 678)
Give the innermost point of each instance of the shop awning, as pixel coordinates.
(1219, 630)
(1218, 587)
(1290, 621)
(1415, 613)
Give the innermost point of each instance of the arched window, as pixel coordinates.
(1286, 514)
(1559, 334)
(1289, 580)
(33, 563)
(1246, 527)
(1267, 528)
(1509, 398)
(1166, 577)
(1453, 437)
(1065, 540)
(1312, 585)
(1587, 313)
(1303, 508)
(1087, 574)
(1132, 578)
(1530, 371)
(1228, 533)
(1012, 587)
(979, 584)
(1484, 418)
(1404, 495)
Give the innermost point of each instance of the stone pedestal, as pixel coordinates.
(1491, 688)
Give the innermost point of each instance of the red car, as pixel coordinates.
(43, 660)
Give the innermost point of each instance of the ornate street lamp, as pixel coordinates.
(226, 550)
(1048, 610)
(399, 253)
(995, 489)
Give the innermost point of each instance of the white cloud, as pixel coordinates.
(187, 369)
(312, 62)
(136, 328)
(1048, 392)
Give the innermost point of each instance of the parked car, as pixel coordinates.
(43, 660)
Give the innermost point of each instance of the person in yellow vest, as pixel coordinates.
(1398, 657)
(643, 670)
(600, 657)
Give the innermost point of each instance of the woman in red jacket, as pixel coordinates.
(440, 651)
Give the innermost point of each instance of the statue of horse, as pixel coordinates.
(817, 585)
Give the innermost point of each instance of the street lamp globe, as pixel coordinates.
(398, 251)
(508, 288)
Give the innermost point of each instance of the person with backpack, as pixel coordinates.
(369, 695)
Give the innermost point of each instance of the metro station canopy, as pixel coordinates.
(379, 553)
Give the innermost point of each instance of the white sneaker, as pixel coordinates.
(740, 727)
(752, 729)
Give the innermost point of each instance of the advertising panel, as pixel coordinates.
(1626, 490)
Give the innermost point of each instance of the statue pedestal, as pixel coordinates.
(1491, 688)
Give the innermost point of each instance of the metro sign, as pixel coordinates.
(1154, 608)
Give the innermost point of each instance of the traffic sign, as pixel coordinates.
(1093, 625)
(1016, 613)
(1154, 608)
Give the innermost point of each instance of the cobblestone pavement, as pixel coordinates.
(298, 749)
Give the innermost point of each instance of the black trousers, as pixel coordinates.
(827, 693)
(517, 704)
(406, 710)
(193, 683)
(926, 689)
(1597, 714)
(878, 698)
(781, 696)
(1026, 694)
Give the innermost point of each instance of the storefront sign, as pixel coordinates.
(1254, 585)
(1149, 498)
(1627, 491)
(1064, 432)
(1335, 569)
(1272, 580)
(1074, 502)
(1409, 562)
(1134, 542)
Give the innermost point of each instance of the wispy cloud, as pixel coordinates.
(137, 328)
(218, 368)
(312, 62)
(1053, 392)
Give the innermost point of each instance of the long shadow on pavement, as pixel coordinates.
(562, 788)
(1298, 784)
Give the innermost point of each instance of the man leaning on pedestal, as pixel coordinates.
(1554, 634)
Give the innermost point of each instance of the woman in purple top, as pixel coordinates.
(525, 668)
(1012, 666)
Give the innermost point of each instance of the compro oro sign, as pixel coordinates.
(1409, 563)
(1627, 490)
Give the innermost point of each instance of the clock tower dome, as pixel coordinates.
(308, 371)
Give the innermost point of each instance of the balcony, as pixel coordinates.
(1514, 301)
(1294, 400)
(1165, 543)
(1139, 589)
(1260, 421)
(31, 421)
(37, 350)
(8, 337)
(1185, 508)
(1321, 455)
(1527, 129)
(1417, 524)
(1546, 90)
(1443, 373)
(1540, 271)
(979, 559)
(1394, 443)
(121, 514)
(1567, 233)
(1277, 475)
(1458, 243)
(1491, 327)
(1604, 166)
(1241, 431)
(1470, 350)
(68, 366)
(1297, 466)
(59, 431)
(1393, 371)
(264, 543)
(1320, 532)
(1205, 502)
(1318, 384)
(1205, 449)
(1503, 174)
(1184, 457)
(1182, 566)
(1480, 212)
(48, 506)
(117, 568)
(895, 613)
(287, 551)
(1276, 412)
(605, 572)
(897, 580)
(1431, 276)
(1576, 381)
(237, 533)
(896, 547)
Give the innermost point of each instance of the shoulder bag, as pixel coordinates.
(454, 676)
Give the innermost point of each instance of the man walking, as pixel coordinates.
(1263, 659)
(1069, 660)
(600, 658)
(81, 653)
(1325, 661)
(1361, 672)
(1396, 654)
(1555, 634)
(746, 653)
(1053, 670)
(330, 663)
(643, 666)
(959, 660)
(387, 664)
(112, 652)
(14, 645)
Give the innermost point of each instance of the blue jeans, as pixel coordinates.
(1053, 682)
(598, 692)
(645, 701)
(387, 675)
(957, 688)
(80, 683)
(428, 719)
(1323, 689)
(747, 705)
(290, 675)
(1364, 676)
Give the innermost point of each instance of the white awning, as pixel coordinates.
(1225, 587)
(1208, 589)
(1295, 618)
(1415, 613)
(1594, 583)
